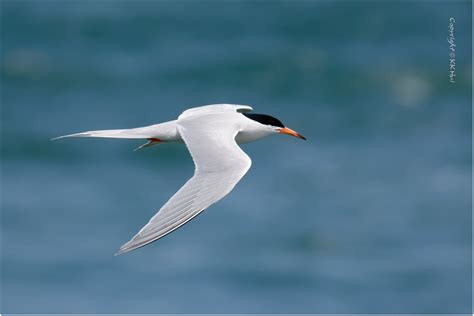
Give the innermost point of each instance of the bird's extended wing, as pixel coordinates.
(220, 164)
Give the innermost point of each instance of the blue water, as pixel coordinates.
(371, 215)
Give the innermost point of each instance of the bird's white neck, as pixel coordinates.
(251, 131)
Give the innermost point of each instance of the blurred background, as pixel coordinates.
(371, 215)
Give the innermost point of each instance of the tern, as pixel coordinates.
(212, 134)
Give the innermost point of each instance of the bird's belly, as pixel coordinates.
(167, 132)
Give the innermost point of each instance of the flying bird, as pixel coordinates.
(212, 134)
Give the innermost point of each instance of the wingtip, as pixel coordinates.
(119, 252)
(123, 249)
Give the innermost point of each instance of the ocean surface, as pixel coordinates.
(372, 214)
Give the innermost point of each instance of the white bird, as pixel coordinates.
(211, 134)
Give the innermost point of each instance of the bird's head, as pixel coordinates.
(273, 124)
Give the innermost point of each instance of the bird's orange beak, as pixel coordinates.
(289, 131)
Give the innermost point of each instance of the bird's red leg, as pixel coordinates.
(154, 140)
(151, 141)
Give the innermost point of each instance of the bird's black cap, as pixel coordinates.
(264, 119)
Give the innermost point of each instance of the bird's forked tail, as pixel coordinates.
(133, 133)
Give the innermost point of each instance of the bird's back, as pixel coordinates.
(214, 108)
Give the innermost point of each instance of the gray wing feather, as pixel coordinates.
(220, 164)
